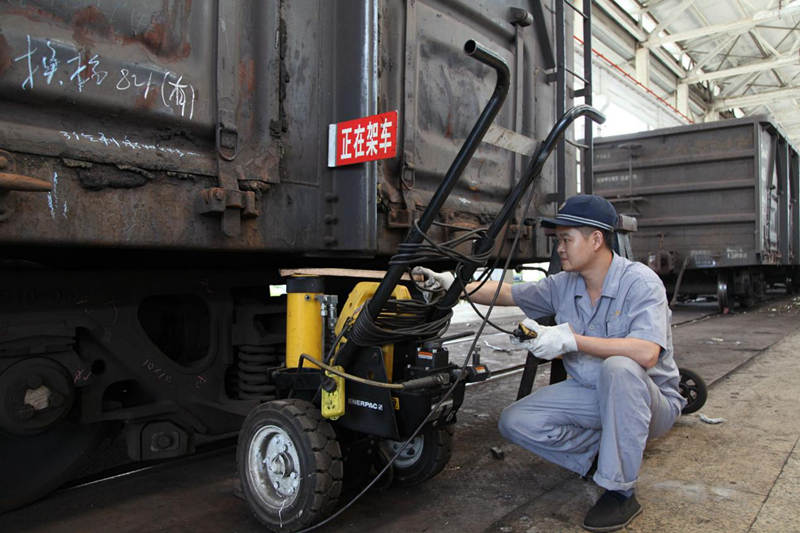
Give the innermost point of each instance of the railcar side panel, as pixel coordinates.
(202, 126)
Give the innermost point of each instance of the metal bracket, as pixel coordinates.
(543, 36)
(225, 201)
(400, 218)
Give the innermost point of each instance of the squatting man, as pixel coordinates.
(613, 334)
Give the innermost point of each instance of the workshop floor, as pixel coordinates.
(742, 475)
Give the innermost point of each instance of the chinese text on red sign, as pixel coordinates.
(362, 139)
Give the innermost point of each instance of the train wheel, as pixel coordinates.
(34, 465)
(290, 464)
(424, 457)
(694, 389)
(724, 301)
(41, 443)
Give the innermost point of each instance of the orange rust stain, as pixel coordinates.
(247, 77)
(448, 132)
(161, 40)
(88, 22)
(155, 37)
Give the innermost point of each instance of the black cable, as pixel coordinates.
(485, 318)
(414, 253)
(398, 320)
(408, 319)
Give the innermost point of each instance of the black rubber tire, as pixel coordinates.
(32, 466)
(320, 464)
(437, 448)
(693, 388)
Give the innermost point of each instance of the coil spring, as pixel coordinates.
(253, 365)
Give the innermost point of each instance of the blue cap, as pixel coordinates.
(584, 210)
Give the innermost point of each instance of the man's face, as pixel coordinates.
(575, 250)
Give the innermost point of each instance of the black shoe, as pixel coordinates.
(612, 511)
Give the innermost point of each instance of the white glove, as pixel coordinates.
(434, 281)
(550, 341)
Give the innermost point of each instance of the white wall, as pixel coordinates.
(627, 106)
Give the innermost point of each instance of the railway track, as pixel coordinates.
(495, 351)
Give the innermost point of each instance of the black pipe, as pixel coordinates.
(543, 152)
(395, 272)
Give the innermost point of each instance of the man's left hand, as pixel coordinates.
(549, 342)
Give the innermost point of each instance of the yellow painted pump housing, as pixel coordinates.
(362, 292)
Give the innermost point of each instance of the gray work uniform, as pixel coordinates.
(608, 407)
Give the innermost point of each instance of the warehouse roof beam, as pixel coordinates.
(743, 25)
(736, 86)
(625, 22)
(767, 64)
(752, 100)
(674, 14)
(647, 6)
(729, 43)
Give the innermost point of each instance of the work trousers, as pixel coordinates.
(569, 424)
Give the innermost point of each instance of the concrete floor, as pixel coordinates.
(739, 476)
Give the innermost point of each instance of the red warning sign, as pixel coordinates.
(362, 139)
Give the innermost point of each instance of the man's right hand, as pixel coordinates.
(545, 342)
(434, 281)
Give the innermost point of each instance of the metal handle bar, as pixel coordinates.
(534, 171)
(394, 273)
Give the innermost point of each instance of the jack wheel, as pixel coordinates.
(693, 389)
(424, 457)
(290, 464)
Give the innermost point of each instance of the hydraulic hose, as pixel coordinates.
(418, 383)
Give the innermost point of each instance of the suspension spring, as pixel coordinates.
(253, 366)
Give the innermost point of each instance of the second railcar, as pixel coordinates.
(716, 204)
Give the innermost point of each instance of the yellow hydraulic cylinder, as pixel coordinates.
(303, 320)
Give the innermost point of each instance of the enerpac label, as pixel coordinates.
(364, 403)
(363, 139)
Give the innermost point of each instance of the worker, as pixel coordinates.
(613, 333)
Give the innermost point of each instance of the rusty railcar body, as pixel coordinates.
(716, 204)
(162, 161)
